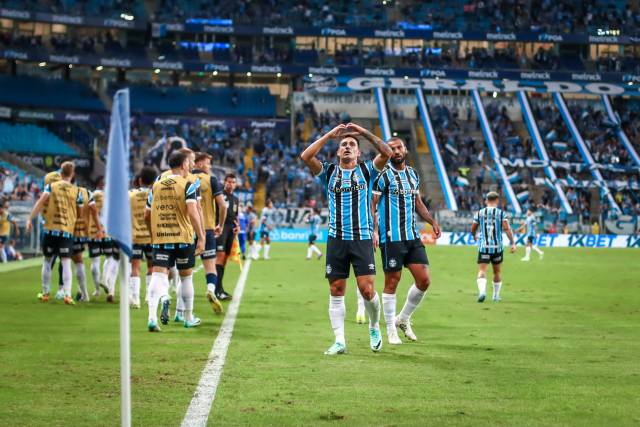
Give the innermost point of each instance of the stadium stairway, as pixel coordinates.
(495, 155)
(423, 162)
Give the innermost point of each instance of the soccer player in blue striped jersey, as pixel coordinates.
(314, 225)
(348, 186)
(491, 221)
(396, 198)
(529, 226)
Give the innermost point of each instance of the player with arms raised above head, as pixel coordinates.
(529, 225)
(348, 186)
(172, 215)
(396, 199)
(491, 221)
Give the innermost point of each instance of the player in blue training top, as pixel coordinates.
(348, 187)
(491, 221)
(314, 224)
(396, 198)
(529, 225)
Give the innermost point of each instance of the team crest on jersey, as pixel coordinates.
(393, 262)
(328, 269)
(168, 182)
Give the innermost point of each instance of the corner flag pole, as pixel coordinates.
(117, 220)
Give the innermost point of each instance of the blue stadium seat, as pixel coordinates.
(27, 138)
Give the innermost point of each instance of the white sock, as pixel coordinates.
(389, 311)
(414, 297)
(147, 282)
(179, 301)
(46, 276)
(175, 279)
(527, 252)
(135, 288)
(112, 275)
(360, 301)
(82, 280)
(309, 251)
(315, 249)
(496, 289)
(266, 251)
(95, 272)
(186, 296)
(337, 311)
(373, 309)
(155, 291)
(482, 285)
(535, 248)
(3, 255)
(67, 276)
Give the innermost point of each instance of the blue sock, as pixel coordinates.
(212, 279)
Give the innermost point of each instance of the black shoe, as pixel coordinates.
(164, 315)
(223, 296)
(79, 296)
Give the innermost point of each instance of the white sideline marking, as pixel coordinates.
(200, 405)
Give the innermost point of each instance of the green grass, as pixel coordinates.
(560, 349)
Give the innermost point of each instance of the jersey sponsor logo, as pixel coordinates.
(485, 256)
(393, 262)
(329, 269)
(351, 188)
(372, 267)
(168, 182)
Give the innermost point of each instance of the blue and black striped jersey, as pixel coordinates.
(349, 195)
(489, 222)
(398, 191)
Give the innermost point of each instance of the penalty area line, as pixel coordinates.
(200, 406)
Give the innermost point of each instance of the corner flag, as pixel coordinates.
(117, 220)
(117, 210)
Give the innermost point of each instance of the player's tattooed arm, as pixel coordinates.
(424, 213)
(507, 230)
(374, 213)
(309, 155)
(384, 151)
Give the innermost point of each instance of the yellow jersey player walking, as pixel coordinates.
(64, 201)
(140, 233)
(173, 216)
(6, 219)
(81, 237)
(212, 204)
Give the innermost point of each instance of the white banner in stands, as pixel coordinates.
(550, 240)
(5, 112)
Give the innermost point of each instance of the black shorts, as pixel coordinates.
(531, 239)
(59, 245)
(3, 239)
(138, 251)
(183, 257)
(396, 255)
(225, 241)
(79, 243)
(106, 247)
(264, 234)
(486, 258)
(342, 254)
(251, 236)
(312, 239)
(209, 245)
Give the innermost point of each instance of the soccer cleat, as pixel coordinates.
(319, 256)
(335, 349)
(375, 340)
(524, 259)
(69, 301)
(215, 303)
(96, 293)
(59, 295)
(79, 296)
(43, 297)
(153, 326)
(194, 322)
(164, 315)
(360, 318)
(135, 306)
(178, 317)
(481, 297)
(497, 299)
(223, 296)
(405, 327)
(110, 299)
(393, 338)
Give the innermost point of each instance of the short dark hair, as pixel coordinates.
(230, 176)
(396, 138)
(176, 159)
(351, 135)
(492, 196)
(202, 156)
(147, 176)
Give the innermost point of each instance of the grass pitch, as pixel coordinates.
(560, 349)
